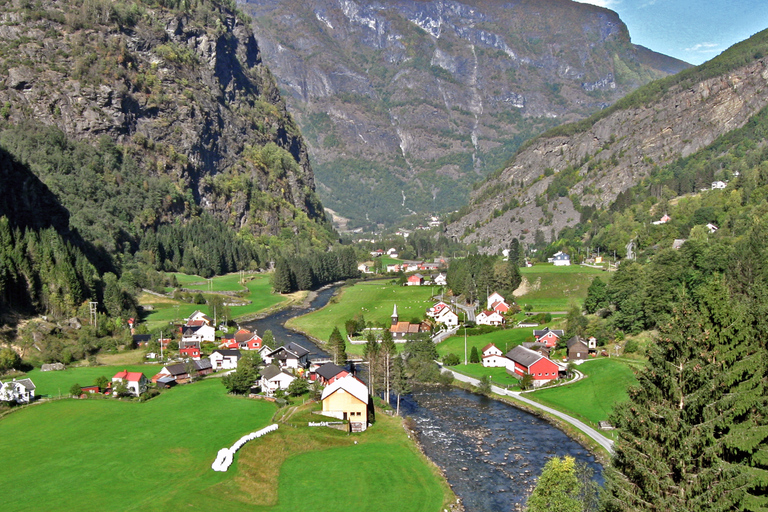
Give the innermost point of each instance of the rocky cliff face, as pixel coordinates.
(183, 92)
(596, 160)
(406, 103)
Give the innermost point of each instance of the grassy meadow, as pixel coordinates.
(166, 310)
(592, 399)
(58, 383)
(155, 456)
(375, 300)
(551, 288)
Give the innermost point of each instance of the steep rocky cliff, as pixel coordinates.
(179, 90)
(405, 104)
(595, 160)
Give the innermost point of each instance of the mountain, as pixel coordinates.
(178, 93)
(405, 104)
(659, 138)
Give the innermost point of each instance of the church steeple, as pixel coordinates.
(394, 316)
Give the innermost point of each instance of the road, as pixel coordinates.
(517, 395)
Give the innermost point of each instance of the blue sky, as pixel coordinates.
(691, 30)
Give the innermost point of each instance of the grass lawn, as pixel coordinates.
(592, 398)
(114, 455)
(58, 383)
(505, 339)
(499, 376)
(156, 456)
(167, 310)
(375, 300)
(552, 288)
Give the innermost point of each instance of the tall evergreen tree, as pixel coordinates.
(371, 354)
(400, 383)
(388, 350)
(692, 436)
(338, 347)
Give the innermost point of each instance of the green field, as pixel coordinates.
(375, 300)
(594, 397)
(167, 310)
(58, 383)
(156, 456)
(505, 339)
(552, 288)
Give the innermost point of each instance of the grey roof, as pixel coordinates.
(165, 380)
(269, 371)
(533, 345)
(177, 369)
(27, 383)
(293, 348)
(203, 364)
(524, 356)
(141, 337)
(228, 352)
(557, 332)
(562, 256)
(329, 370)
(575, 341)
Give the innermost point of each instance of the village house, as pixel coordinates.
(525, 361)
(489, 318)
(274, 378)
(199, 315)
(447, 317)
(718, 185)
(580, 349)
(291, 355)
(493, 299)
(135, 382)
(21, 391)
(141, 340)
(225, 359)
(415, 280)
(247, 340)
(396, 267)
(663, 220)
(196, 332)
(436, 309)
(547, 336)
(347, 399)
(190, 352)
(229, 341)
(328, 373)
(441, 279)
(493, 357)
(561, 259)
(537, 347)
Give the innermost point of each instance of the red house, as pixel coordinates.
(247, 340)
(415, 280)
(548, 336)
(500, 307)
(191, 352)
(523, 360)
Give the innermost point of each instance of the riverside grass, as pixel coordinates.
(117, 455)
(594, 397)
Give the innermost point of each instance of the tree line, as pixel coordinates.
(314, 270)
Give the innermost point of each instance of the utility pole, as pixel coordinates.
(465, 337)
(161, 345)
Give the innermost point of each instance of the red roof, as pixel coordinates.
(129, 376)
(196, 323)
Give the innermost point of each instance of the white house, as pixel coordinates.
(192, 334)
(493, 299)
(291, 355)
(441, 279)
(225, 359)
(489, 318)
(561, 259)
(19, 391)
(493, 357)
(447, 318)
(136, 382)
(718, 185)
(199, 315)
(273, 378)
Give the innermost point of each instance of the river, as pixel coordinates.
(491, 452)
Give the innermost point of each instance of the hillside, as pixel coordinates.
(141, 135)
(179, 91)
(405, 104)
(564, 176)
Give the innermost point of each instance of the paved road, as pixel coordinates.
(517, 395)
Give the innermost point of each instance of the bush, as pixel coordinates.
(451, 359)
(631, 347)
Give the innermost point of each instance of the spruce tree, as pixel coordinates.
(371, 354)
(692, 434)
(388, 350)
(338, 347)
(400, 383)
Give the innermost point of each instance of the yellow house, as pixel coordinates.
(347, 399)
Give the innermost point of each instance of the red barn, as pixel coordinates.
(523, 360)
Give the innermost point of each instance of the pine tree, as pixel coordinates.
(400, 383)
(371, 354)
(692, 436)
(338, 347)
(474, 357)
(388, 350)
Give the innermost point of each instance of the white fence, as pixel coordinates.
(226, 455)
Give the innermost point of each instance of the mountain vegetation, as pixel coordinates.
(670, 137)
(405, 104)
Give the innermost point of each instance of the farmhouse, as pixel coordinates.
(415, 280)
(274, 378)
(548, 336)
(291, 355)
(523, 360)
(20, 391)
(329, 373)
(136, 382)
(347, 399)
(225, 359)
(580, 349)
(493, 357)
(561, 259)
(489, 318)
